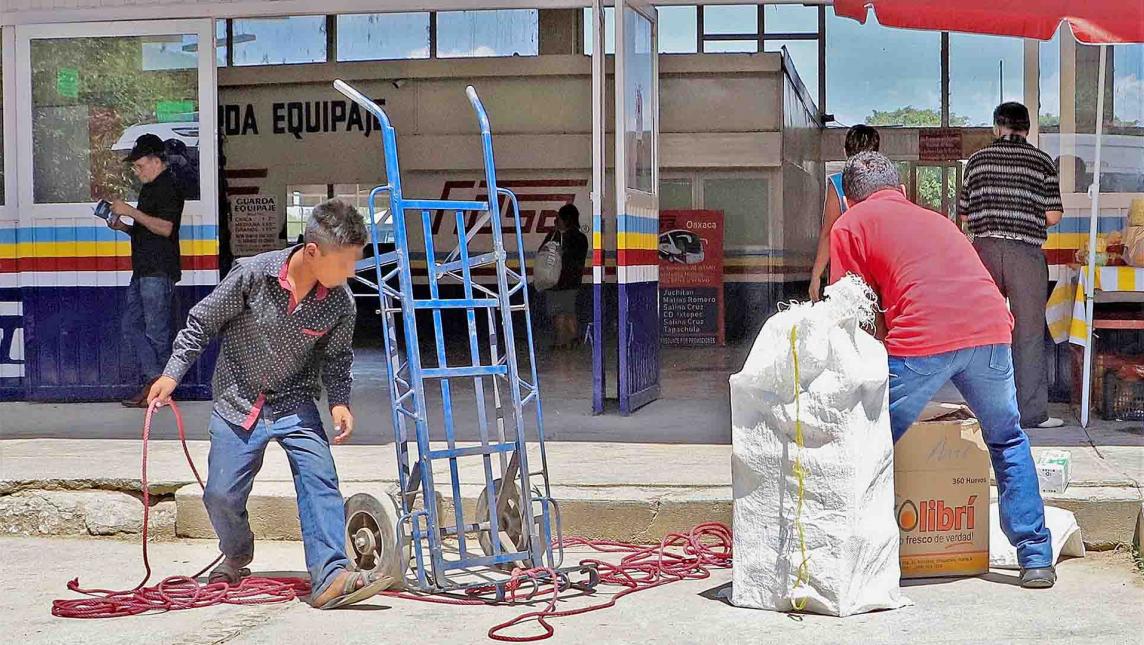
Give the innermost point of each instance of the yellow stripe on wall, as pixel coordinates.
(96, 249)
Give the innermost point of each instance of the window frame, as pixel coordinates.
(207, 73)
(9, 155)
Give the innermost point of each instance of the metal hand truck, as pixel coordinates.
(521, 527)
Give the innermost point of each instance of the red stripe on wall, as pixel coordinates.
(99, 263)
(242, 190)
(637, 257)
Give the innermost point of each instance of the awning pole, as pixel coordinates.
(1094, 219)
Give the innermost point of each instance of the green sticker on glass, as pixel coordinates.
(174, 111)
(67, 82)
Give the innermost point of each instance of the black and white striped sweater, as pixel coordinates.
(1006, 190)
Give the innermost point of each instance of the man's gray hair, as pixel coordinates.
(866, 173)
(334, 223)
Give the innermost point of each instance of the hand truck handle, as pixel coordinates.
(362, 100)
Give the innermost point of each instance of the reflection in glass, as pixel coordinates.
(481, 34)
(1073, 143)
(383, 36)
(639, 101)
(609, 30)
(280, 41)
(93, 97)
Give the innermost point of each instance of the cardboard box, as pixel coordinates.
(1054, 468)
(941, 491)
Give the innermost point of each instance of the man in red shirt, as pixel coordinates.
(945, 320)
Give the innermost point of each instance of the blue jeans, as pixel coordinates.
(147, 322)
(236, 457)
(984, 376)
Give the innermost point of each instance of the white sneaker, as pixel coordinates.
(1051, 422)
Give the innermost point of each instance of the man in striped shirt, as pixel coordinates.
(1010, 195)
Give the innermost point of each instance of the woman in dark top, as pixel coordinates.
(561, 298)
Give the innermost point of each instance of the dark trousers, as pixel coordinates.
(147, 324)
(1020, 271)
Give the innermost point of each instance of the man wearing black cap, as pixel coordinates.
(147, 322)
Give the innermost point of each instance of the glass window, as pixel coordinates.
(790, 19)
(1128, 86)
(677, 30)
(357, 195)
(609, 31)
(1049, 65)
(280, 41)
(675, 194)
(170, 52)
(220, 43)
(984, 71)
(730, 19)
(882, 76)
(92, 98)
(383, 36)
(300, 201)
(639, 102)
(480, 34)
(804, 55)
(745, 203)
(1122, 144)
(2, 202)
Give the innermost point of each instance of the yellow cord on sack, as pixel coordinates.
(803, 574)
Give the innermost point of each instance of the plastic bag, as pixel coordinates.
(549, 264)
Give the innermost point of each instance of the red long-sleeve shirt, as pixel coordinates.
(937, 295)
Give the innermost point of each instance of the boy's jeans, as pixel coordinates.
(235, 459)
(984, 376)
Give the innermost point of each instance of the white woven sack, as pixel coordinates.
(846, 454)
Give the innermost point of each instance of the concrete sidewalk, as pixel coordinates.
(1099, 599)
(627, 491)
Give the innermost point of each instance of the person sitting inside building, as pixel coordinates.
(1010, 195)
(945, 320)
(285, 320)
(561, 298)
(860, 138)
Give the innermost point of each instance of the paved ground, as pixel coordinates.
(1100, 599)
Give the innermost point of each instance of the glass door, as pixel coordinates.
(637, 203)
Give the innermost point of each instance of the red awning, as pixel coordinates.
(1092, 21)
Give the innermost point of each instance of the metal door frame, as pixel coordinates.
(637, 267)
(599, 301)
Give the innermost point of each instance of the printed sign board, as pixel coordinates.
(254, 224)
(691, 277)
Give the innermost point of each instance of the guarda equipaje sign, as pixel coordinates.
(297, 118)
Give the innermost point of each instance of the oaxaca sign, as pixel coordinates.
(691, 277)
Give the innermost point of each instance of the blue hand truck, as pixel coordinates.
(460, 548)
